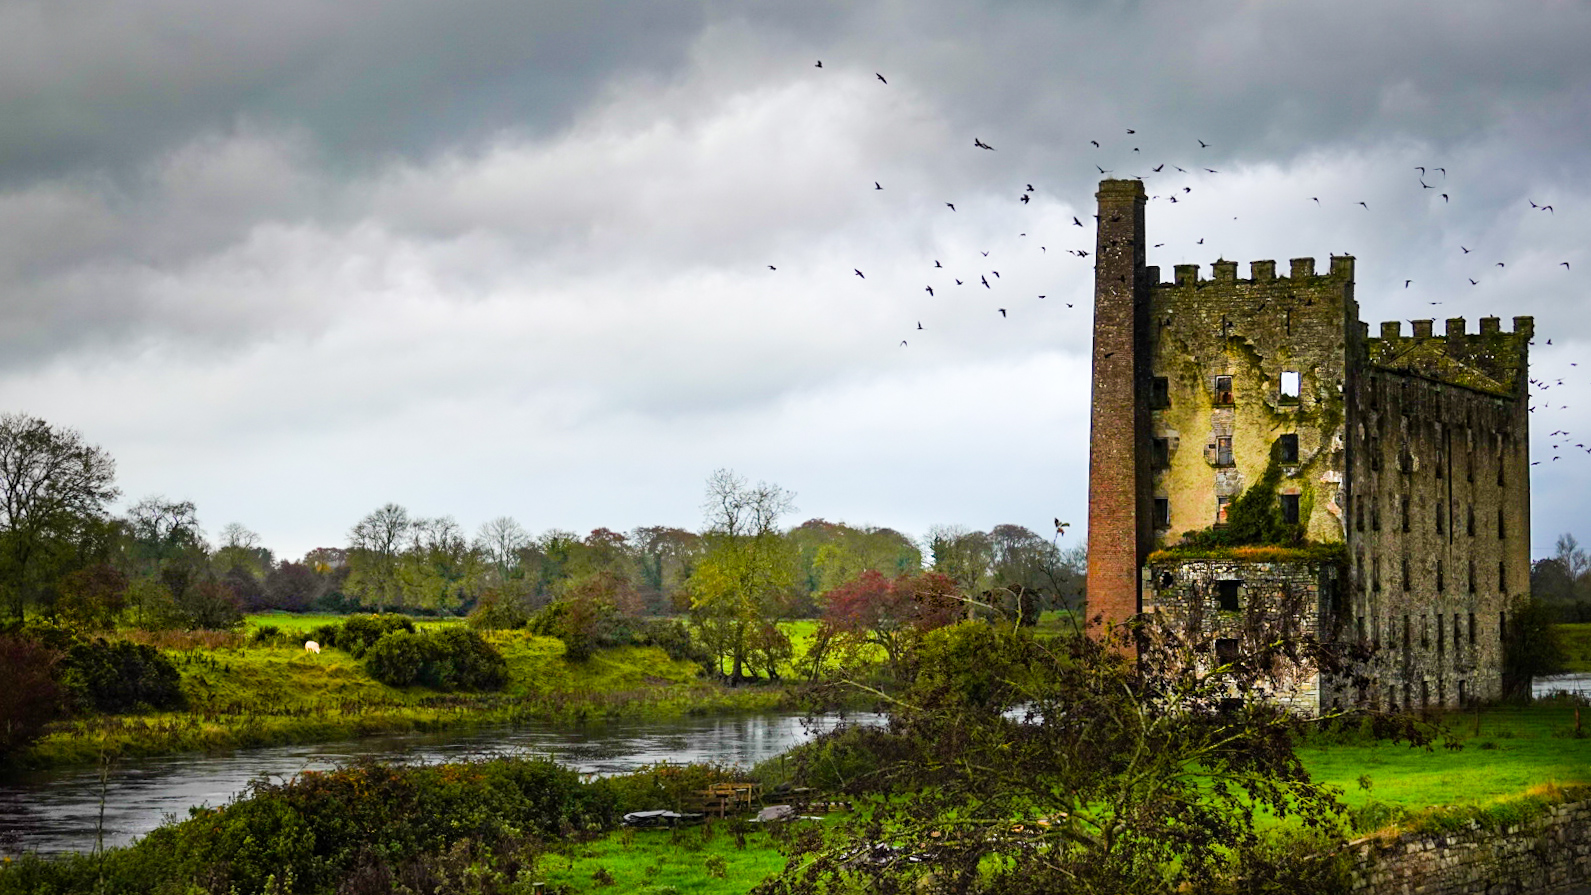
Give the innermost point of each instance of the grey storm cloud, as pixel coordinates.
(320, 241)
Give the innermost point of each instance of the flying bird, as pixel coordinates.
(1002, 311)
(903, 343)
(771, 267)
(985, 254)
(1421, 169)
(952, 205)
(1060, 527)
(981, 145)
(930, 289)
(1548, 208)
(1203, 145)
(1500, 264)
(1030, 187)
(1366, 207)
(919, 324)
(1466, 251)
(1565, 264)
(876, 186)
(1444, 198)
(1212, 170)
(1406, 283)
(1201, 240)
(1157, 168)
(985, 282)
(1131, 131)
(1102, 170)
(819, 65)
(996, 274)
(937, 264)
(1316, 198)
(859, 273)
(1095, 142)
(958, 282)
(880, 77)
(1024, 198)
(1041, 296)
(1472, 282)
(1076, 222)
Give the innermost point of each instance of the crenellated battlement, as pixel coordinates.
(1490, 360)
(1224, 272)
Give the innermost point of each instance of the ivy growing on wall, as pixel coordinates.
(1255, 518)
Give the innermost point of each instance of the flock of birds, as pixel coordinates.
(944, 279)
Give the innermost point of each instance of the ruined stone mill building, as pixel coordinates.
(1400, 454)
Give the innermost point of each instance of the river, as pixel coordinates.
(57, 811)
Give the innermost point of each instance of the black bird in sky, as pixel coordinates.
(903, 343)
(771, 267)
(1466, 251)
(952, 205)
(985, 254)
(1102, 170)
(819, 65)
(1002, 311)
(1565, 264)
(985, 282)
(1425, 185)
(958, 282)
(1201, 240)
(1472, 282)
(1095, 142)
(1203, 145)
(919, 324)
(1041, 296)
(1548, 208)
(1421, 169)
(859, 273)
(1157, 168)
(1131, 131)
(1024, 198)
(1076, 222)
(1406, 283)
(937, 264)
(1443, 170)
(1183, 170)
(1500, 264)
(1366, 207)
(996, 274)
(1030, 187)
(1316, 198)
(880, 77)
(1159, 244)
(876, 186)
(1212, 170)
(981, 145)
(930, 289)
(1444, 198)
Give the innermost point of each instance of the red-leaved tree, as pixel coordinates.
(871, 610)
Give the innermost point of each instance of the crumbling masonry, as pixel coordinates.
(1407, 450)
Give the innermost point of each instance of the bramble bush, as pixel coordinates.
(119, 676)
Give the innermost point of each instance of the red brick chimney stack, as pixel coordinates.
(1119, 532)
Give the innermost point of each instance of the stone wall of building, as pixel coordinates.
(1229, 607)
(1221, 349)
(1439, 522)
(1541, 856)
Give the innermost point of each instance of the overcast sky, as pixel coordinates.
(295, 260)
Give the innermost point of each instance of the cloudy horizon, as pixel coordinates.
(499, 258)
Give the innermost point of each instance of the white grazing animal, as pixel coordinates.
(311, 646)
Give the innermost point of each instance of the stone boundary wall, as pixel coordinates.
(1546, 854)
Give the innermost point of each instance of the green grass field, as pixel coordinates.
(1576, 639)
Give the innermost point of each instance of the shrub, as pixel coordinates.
(360, 632)
(499, 610)
(450, 658)
(378, 824)
(119, 676)
(30, 697)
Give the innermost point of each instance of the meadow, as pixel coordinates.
(1576, 640)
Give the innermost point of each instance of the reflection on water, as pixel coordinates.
(58, 811)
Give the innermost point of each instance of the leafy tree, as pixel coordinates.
(1017, 765)
(745, 578)
(91, 598)
(1531, 646)
(891, 614)
(965, 556)
(53, 487)
(293, 586)
(1563, 580)
(665, 558)
(834, 553)
(374, 546)
(438, 570)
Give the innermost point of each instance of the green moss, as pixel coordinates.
(1255, 518)
(1305, 552)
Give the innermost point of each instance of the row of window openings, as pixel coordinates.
(1290, 510)
(1425, 634)
(1406, 461)
(1425, 694)
(1160, 451)
(1441, 576)
(1160, 390)
(1441, 518)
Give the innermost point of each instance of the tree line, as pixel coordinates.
(65, 555)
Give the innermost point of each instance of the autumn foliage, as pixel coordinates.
(872, 610)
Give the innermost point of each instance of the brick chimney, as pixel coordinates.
(1119, 532)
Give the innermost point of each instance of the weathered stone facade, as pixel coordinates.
(1410, 451)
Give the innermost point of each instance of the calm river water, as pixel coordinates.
(59, 811)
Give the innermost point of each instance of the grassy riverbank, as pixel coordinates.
(241, 696)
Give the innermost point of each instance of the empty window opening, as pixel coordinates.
(1439, 580)
(1223, 450)
(1375, 514)
(1502, 578)
(1226, 650)
(1463, 695)
(1290, 509)
(1472, 629)
(1375, 394)
(1290, 385)
(1469, 523)
(1221, 506)
(1441, 636)
(1441, 514)
(1403, 504)
(1425, 694)
(1502, 626)
(1226, 595)
(1502, 530)
(1287, 321)
(1159, 393)
(1166, 580)
(1405, 574)
(1425, 634)
(1162, 512)
(1375, 573)
(1472, 576)
(1458, 637)
(1406, 633)
(1289, 448)
(1223, 390)
(1359, 515)
(1160, 453)
(1499, 470)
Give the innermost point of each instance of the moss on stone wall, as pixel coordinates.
(1255, 518)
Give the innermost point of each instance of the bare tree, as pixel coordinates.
(374, 545)
(742, 585)
(500, 540)
(52, 486)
